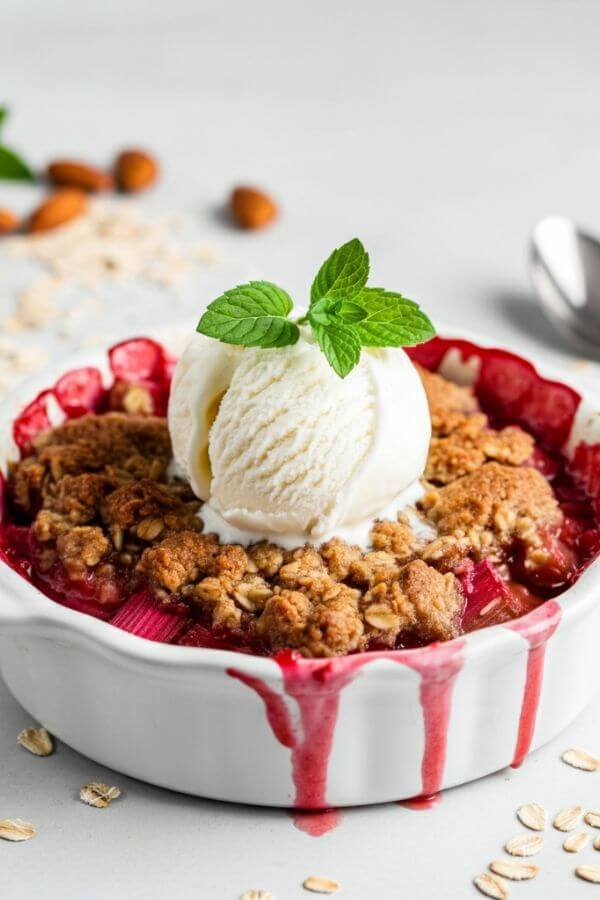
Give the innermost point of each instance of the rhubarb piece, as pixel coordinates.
(145, 363)
(138, 359)
(141, 616)
(82, 594)
(32, 420)
(482, 587)
(585, 469)
(80, 392)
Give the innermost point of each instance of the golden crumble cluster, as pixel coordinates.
(98, 496)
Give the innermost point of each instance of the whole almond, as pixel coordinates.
(58, 209)
(72, 173)
(252, 208)
(8, 221)
(135, 170)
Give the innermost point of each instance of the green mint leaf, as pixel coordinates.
(341, 346)
(350, 312)
(323, 312)
(391, 320)
(14, 168)
(3, 114)
(343, 275)
(251, 315)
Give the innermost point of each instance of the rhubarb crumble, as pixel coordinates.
(96, 519)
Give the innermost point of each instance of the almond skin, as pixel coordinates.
(71, 173)
(58, 209)
(8, 221)
(135, 170)
(252, 208)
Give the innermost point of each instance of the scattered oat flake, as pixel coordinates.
(597, 843)
(575, 842)
(320, 885)
(592, 817)
(16, 830)
(568, 819)
(516, 871)
(257, 895)
(37, 741)
(492, 886)
(581, 759)
(524, 845)
(99, 795)
(533, 816)
(589, 873)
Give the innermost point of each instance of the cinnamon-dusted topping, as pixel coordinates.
(462, 439)
(340, 558)
(449, 404)
(184, 558)
(469, 447)
(436, 599)
(149, 508)
(77, 498)
(396, 538)
(492, 507)
(96, 493)
(330, 627)
(82, 548)
(268, 558)
(114, 436)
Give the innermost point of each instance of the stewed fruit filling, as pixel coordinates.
(95, 520)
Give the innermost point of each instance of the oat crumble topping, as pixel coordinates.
(97, 494)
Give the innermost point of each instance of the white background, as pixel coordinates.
(438, 133)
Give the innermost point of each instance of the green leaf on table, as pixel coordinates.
(3, 114)
(343, 275)
(251, 315)
(12, 167)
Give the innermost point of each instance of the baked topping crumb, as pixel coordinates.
(492, 507)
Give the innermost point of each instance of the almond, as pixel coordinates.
(135, 170)
(252, 208)
(71, 173)
(58, 209)
(8, 221)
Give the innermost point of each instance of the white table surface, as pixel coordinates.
(438, 133)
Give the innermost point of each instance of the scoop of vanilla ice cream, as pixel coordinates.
(278, 443)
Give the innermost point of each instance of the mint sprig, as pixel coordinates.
(343, 275)
(344, 314)
(251, 315)
(12, 166)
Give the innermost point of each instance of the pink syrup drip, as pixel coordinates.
(438, 665)
(537, 628)
(316, 687)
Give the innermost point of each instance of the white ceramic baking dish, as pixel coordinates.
(313, 734)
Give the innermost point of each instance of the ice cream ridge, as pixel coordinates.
(296, 431)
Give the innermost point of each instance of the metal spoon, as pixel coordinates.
(565, 270)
